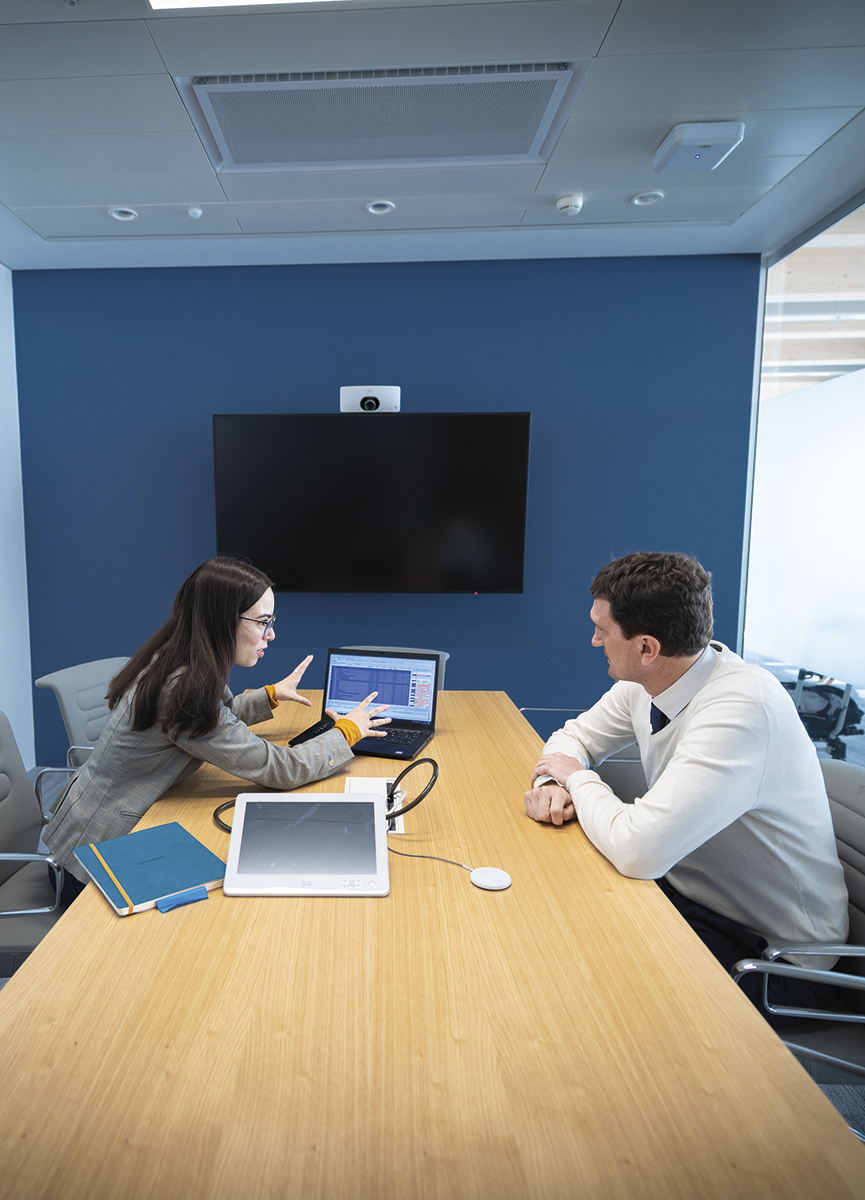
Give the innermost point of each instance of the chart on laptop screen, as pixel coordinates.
(406, 684)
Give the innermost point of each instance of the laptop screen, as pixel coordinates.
(406, 682)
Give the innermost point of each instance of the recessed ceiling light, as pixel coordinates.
(643, 198)
(123, 214)
(378, 208)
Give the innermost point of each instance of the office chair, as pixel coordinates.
(443, 656)
(29, 902)
(831, 1046)
(80, 692)
(622, 772)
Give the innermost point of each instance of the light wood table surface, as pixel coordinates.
(567, 1038)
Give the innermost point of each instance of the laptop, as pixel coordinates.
(407, 682)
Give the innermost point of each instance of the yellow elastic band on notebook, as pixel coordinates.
(114, 877)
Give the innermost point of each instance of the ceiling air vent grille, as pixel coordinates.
(386, 117)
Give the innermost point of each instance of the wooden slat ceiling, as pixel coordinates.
(815, 310)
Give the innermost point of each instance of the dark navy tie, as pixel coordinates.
(659, 720)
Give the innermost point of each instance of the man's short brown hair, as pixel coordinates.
(668, 596)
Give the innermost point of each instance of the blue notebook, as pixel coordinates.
(161, 867)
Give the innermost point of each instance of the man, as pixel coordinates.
(735, 825)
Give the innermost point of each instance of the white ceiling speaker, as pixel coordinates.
(569, 206)
(698, 146)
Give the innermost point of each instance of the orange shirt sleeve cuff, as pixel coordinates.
(270, 688)
(348, 729)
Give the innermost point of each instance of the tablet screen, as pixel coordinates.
(308, 837)
(308, 844)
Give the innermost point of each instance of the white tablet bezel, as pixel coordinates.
(239, 883)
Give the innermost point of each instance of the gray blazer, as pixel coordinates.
(129, 770)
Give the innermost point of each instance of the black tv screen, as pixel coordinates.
(375, 502)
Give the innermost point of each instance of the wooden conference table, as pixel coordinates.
(569, 1037)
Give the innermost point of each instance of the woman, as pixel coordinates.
(171, 710)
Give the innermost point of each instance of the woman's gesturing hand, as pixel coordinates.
(286, 689)
(364, 718)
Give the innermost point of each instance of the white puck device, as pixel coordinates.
(369, 397)
(491, 879)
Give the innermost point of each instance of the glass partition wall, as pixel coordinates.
(805, 597)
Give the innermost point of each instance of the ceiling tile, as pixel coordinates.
(357, 224)
(622, 142)
(111, 104)
(109, 190)
(617, 152)
(106, 169)
(604, 208)
(153, 221)
(446, 212)
(28, 12)
(609, 205)
(101, 154)
(465, 33)
(46, 51)
(798, 131)
(385, 184)
(689, 26)
(707, 83)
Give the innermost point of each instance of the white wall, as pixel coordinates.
(16, 695)
(806, 574)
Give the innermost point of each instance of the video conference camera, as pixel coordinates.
(369, 398)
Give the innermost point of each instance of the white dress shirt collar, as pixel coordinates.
(680, 694)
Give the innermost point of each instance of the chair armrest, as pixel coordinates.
(70, 756)
(841, 949)
(613, 758)
(828, 1060)
(759, 966)
(37, 783)
(51, 862)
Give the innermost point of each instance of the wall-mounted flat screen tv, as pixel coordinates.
(375, 502)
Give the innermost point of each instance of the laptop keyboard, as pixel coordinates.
(402, 737)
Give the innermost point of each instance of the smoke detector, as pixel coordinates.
(569, 206)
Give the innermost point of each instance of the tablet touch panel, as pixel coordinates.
(308, 844)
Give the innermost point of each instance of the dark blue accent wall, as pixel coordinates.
(637, 373)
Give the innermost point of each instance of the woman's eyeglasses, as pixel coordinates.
(265, 623)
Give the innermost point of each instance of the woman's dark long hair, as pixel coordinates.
(180, 673)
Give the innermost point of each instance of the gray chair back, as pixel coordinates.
(622, 772)
(20, 812)
(80, 692)
(845, 787)
(443, 656)
(23, 885)
(624, 776)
